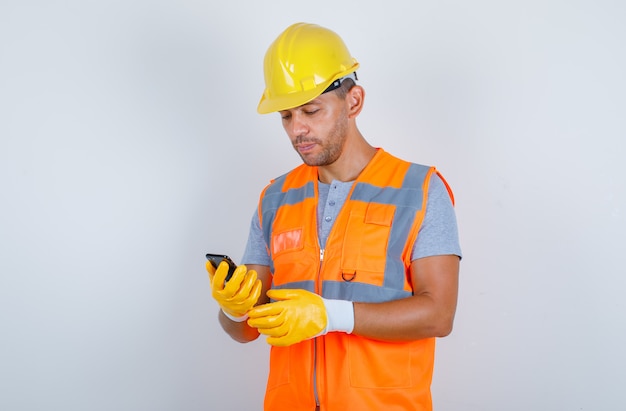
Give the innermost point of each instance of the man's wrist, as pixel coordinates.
(235, 319)
(340, 314)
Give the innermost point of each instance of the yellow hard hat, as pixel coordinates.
(300, 64)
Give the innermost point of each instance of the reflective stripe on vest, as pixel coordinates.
(273, 198)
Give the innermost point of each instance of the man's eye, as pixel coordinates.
(285, 116)
(311, 112)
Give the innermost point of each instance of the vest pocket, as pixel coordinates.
(279, 369)
(365, 243)
(377, 364)
(287, 240)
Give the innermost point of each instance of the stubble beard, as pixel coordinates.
(332, 149)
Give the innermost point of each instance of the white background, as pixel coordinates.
(130, 146)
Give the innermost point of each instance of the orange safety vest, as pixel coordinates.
(366, 259)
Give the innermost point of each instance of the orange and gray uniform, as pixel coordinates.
(366, 259)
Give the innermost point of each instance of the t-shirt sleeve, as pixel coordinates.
(256, 249)
(438, 234)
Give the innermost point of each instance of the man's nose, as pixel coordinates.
(299, 126)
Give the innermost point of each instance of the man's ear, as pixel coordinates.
(355, 99)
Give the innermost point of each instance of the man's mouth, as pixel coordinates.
(305, 147)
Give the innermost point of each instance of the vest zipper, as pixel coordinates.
(315, 393)
(316, 340)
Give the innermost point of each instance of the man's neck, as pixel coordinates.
(348, 166)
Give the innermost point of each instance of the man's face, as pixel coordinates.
(318, 129)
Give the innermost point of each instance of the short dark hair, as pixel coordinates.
(346, 85)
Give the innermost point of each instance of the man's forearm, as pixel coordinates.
(408, 319)
(428, 313)
(238, 331)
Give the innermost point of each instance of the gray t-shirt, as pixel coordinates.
(438, 234)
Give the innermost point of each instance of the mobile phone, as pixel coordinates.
(216, 259)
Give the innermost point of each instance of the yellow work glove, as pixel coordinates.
(298, 315)
(239, 294)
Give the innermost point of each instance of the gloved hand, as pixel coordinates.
(299, 315)
(239, 294)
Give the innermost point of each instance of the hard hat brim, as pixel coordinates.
(296, 99)
(280, 103)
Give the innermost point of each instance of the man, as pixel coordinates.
(358, 249)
